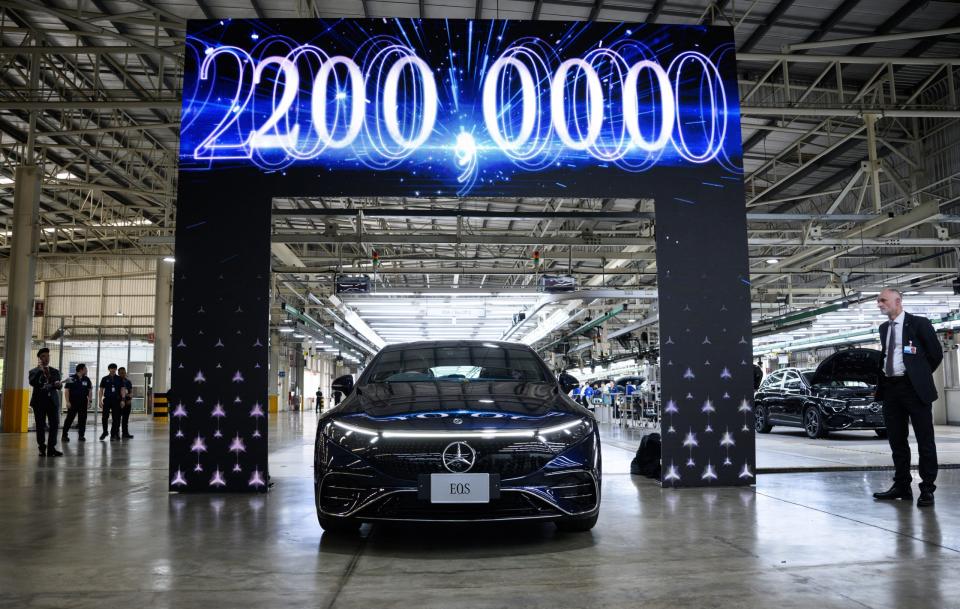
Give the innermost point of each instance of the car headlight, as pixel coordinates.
(354, 438)
(567, 433)
(835, 405)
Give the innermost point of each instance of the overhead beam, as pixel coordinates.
(368, 212)
(144, 104)
(842, 42)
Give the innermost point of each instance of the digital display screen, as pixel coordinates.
(422, 107)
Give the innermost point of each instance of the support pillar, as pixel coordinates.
(273, 389)
(161, 327)
(23, 267)
(301, 377)
(285, 381)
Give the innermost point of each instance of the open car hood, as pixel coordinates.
(851, 365)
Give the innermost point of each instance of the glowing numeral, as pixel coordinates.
(261, 138)
(429, 101)
(594, 104)
(717, 109)
(319, 102)
(631, 106)
(208, 148)
(528, 100)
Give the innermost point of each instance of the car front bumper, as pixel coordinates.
(568, 486)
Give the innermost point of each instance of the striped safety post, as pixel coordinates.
(160, 406)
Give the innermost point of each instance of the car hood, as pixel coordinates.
(435, 404)
(850, 365)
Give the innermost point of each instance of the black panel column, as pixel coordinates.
(218, 390)
(705, 346)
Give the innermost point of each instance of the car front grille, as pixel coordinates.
(406, 506)
(406, 459)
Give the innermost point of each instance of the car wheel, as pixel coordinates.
(881, 433)
(762, 422)
(813, 423)
(339, 526)
(577, 524)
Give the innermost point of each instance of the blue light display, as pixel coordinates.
(451, 108)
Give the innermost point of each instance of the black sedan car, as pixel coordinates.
(837, 395)
(457, 431)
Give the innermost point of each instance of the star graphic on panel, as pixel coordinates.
(217, 479)
(256, 479)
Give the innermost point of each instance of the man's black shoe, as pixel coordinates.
(82, 439)
(112, 438)
(53, 452)
(64, 438)
(895, 492)
(127, 436)
(103, 436)
(925, 500)
(43, 451)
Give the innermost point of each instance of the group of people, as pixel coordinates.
(585, 393)
(115, 398)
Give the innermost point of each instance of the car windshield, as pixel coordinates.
(457, 364)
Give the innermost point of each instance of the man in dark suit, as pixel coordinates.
(45, 401)
(911, 352)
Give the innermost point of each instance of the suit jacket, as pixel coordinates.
(920, 366)
(43, 394)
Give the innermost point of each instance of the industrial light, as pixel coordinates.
(772, 261)
(169, 259)
(286, 329)
(4, 180)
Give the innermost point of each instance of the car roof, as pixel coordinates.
(453, 343)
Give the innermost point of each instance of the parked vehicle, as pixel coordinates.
(457, 431)
(838, 395)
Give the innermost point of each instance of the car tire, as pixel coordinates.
(762, 422)
(813, 423)
(339, 526)
(577, 524)
(881, 433)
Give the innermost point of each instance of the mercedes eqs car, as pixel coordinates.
(457, 431)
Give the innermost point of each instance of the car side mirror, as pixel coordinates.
(568, 382)
(343, 384)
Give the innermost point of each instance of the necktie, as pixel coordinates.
(891, 343)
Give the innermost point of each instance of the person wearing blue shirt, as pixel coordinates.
(631, 388)
(127, 404)
(79, 395)
(45, 402)
(112, 390)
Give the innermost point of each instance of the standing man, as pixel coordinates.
(45, 402)
(111, 390)
(79, 397)
(319, 403)
(757, 375)
(911, 352)
(127, 403)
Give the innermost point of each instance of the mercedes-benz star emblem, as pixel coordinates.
(458, 421)
(458, 457)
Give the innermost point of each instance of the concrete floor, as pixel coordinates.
(98, 529)
(788, 449)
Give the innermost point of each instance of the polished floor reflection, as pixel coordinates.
(97, 528)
